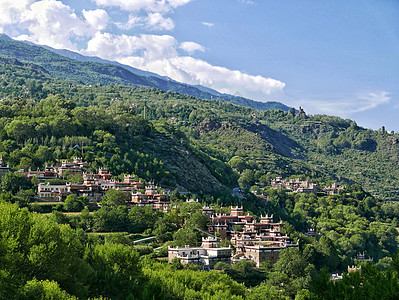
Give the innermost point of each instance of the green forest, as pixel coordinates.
(204, 148)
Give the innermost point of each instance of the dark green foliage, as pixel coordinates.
(73, 203)
(369, 283)
(43, 260)
(186, 236)
(292, 272)
(44, 289)
(114, 198)
(167, 282)
(266, 291)
(114, 137)
(244, 271)
(117, 271)
(14, 182)
(34, 247)
(67, 263)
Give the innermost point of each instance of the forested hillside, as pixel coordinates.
(87, 70)
(234, 144)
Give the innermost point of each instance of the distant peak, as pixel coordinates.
(4, 37)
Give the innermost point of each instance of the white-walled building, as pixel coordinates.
(206, 256)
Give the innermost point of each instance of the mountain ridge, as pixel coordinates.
(110, 72)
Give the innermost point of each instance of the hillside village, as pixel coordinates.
(94, 186)
(251, 240)
(256, 241)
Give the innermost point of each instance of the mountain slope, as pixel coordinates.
(80, 57)
(218, 136)
(38, 128)
(69, 65)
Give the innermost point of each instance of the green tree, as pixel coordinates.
(238, 163)
(291, 271)
(73, 203)
(185, 236)
(43, 289)
(197, 220)
(247, 178)
(19, 130)
(117, 270)
(14, 182)
(115, 198)
(266, 291)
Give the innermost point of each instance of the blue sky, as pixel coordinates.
(331, 57)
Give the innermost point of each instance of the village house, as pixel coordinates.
(256, 241)
(102, 175)
(294, 185)
(47, 173)
(333, 189)
(259, 253)
(51, 191)
(224, 224)
(58, 192)
(151, 197)
(207, 256)
(265, 231)
(75, 167)
(103, 179)
(94, 187)
(208, 212)
(362, 258)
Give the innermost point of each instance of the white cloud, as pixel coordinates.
(191, 47)
(97, 19)
(146, 47)
(153, 21)
(133, 21)
(196, 71)
(158, 53)
(372, 100)
(155, 10)
(345, 105)
(208, 24)
(176, 3)
(49, 22)
(132, 5)
(11, 10)
(157, 21)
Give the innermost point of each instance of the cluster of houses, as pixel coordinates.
(255, 241)
(94, 186)
(303, 186)
(294, 185)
